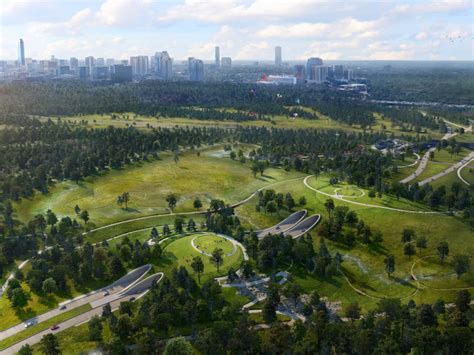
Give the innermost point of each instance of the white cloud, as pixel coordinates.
(421, 36)
(433, 6)
(345, 28)
(124, 12)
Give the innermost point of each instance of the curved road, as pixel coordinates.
(459, 172)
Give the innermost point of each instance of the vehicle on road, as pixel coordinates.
(106, 293)
(63, 307)
(132, 299)
(54, 327)
(29, 324)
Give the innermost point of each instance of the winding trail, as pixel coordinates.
(234, 247)
(305, 181)
(412, 164)
(413, 275)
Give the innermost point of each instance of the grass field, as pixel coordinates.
(180, 253)
(363, 264)
(28, 332)
(278, 121)
(204, 176)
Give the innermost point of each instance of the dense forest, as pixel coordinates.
(217, 101)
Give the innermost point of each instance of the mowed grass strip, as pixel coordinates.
(34, 329)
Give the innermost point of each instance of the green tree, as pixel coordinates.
(269, 312)
(409, 250)
(329, 204)
(352, 311)
(198, 266)
(25, 350)
(95, 329)
(407, 235)
(443, 251)
(49, 285)
(463, 301)
(389, 264)
(85, 216)
(49, 345)
(217, 258)
(197, 204)
(421, 243)
(178, 346)
(171, 200)
(461, 264)
(19, 298)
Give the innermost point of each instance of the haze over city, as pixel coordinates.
(244, 30)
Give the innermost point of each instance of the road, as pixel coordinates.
(118, 286)
(424, 161)
(284, 225)
(136, 291)
(459, 172)
(457, 166)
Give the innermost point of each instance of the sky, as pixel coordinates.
(244, 29)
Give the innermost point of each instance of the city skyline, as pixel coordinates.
(244, 30)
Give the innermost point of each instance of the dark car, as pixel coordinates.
(54, 327)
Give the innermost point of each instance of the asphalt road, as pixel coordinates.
(136, 291)
(453, 167)
(284, 225)
(91, 297)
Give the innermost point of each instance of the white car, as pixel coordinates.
(29, 324)
(106, 293)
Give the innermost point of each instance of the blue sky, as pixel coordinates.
(247, 29)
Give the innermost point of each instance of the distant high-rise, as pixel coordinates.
(217, 56)
(196, 69)
(74, 64)
(338, 71)
(320, 73)
(100, 62)
(139, 65)
(90, 64)
(226, 62)
(300, 74)
(309, 67)
(21, 53)
(163, 65)
(278, 55)
(121, 73)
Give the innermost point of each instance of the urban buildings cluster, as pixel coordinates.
(161, 66)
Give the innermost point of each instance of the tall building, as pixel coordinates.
(21, 53)
(74, 64)
(278, 55)
(121, 73)
(320, 73)
(348, 74)
(300, 73)
(100, 62)
(90, 64)
(338, 71)
(109, 62)
(226, 62)
(309, 67)
(139, 65)
(196, 69)
(163, 65)
(217, 56)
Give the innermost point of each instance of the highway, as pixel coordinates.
(95, 299)
(453, 167)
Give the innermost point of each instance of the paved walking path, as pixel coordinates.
(412, 164)
(305, 181)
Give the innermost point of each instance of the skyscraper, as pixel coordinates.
(196, 69)
(217, 56)
(309, 67)
(90, 64)
(21, 53)
(300, 74)
(226, 62)
(278, 55)
(163, 65)
(139, 65)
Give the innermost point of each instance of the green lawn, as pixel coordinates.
(205, 176)
(28, 332)
(180, 253)
(364, 264)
